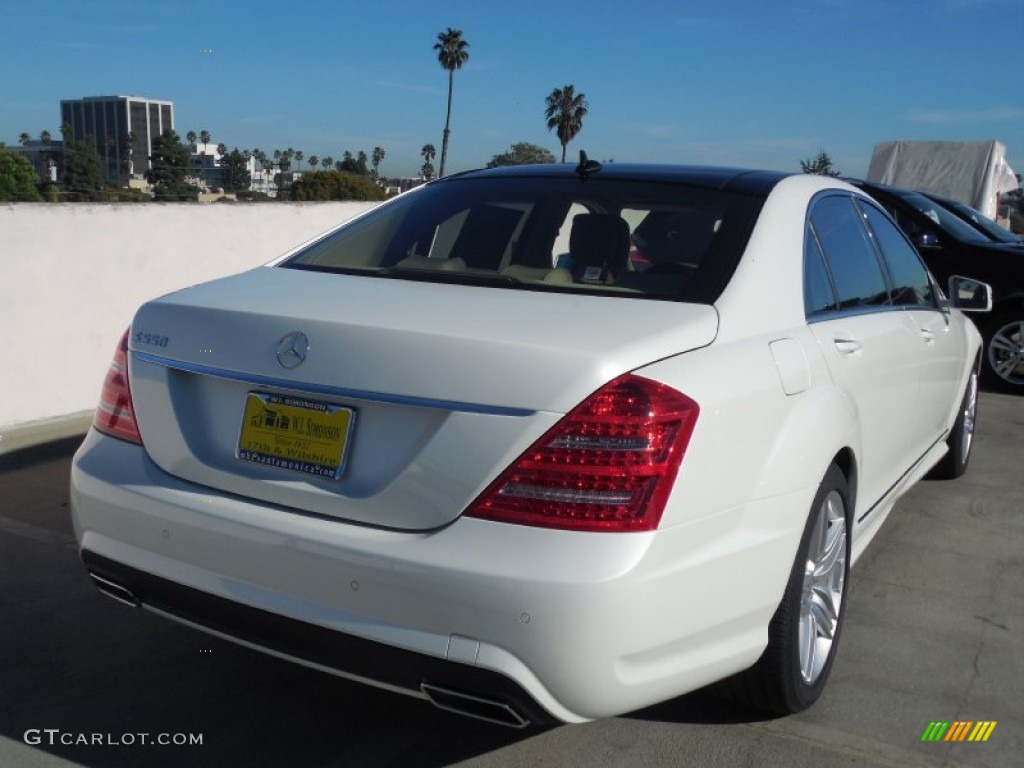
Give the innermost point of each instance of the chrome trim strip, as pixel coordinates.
(323, 389)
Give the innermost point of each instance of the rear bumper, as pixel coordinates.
(335, 652)
(571, 625)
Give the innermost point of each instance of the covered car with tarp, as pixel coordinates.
(972, 172)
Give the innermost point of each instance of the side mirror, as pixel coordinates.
(927, 240)
(969, 295)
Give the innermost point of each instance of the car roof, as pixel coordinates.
(873, 186)
(746, 181)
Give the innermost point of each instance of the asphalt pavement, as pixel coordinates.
(934, 633)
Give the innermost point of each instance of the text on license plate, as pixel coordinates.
(294, 433)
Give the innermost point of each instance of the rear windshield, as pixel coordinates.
(606, 236)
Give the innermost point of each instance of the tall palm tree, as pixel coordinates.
(452, 54)
(299, 154)
(24, 138)
(327, 162)
(429, 153)
(191, 137)
(204, 136)
(314, 161)
(564, 111)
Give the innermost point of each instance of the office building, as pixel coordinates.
(121, 128)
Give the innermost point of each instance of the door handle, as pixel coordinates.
(847, 346)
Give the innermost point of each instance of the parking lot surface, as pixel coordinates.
(935, 632)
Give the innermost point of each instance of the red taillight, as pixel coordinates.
(115, 415)
(608, 465)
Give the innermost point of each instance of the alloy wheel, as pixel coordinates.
(1006, 352)
(822, 595)
(970, 413)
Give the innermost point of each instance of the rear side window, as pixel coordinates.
(818, 293)
(856, 272)
(911, 285)
(646, 239)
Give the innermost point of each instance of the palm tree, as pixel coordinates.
(299, 154)
(45, 137)
(377, 158)
(314, 161)
(452, 54)
(24, 138)
(191, 137)
(222, 149)
(327, 162)
(564, 111)
(204, 136)
(428, 152)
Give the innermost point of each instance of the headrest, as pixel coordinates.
(599, 240)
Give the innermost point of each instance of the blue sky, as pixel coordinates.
(731, 82)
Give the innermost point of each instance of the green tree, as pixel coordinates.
(222, 149)
(191, 137)
(236, 171)
(314, 161)
(24, 138)
(427, 170)
(299, 154)
(204, 136)
(327, 162)
(522, 153)
(377, 158)
(565, 110)
(451, 54)
(356, 165)
(169, 163)
(18, 179)
(81, 176)
(335, 185)
(820, 165)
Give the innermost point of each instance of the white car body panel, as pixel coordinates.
(424, 383)
(443, 405)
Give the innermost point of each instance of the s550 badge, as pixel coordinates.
(152, 339)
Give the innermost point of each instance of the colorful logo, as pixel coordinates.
(958, 730)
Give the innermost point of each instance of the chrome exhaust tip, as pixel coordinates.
(114, 590)
(478, 707)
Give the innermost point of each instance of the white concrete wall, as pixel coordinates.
(72, 275)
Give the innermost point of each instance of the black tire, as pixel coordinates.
(961, 436)
(1004, 350)
(778, 683)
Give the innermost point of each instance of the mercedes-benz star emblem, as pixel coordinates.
(292, 349)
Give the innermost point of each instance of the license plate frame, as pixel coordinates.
(297, 434)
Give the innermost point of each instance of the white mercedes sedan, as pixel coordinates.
(542, 443)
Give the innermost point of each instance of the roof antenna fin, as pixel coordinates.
(587, 166)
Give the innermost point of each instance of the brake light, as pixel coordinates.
(115, 415)
(607, 465)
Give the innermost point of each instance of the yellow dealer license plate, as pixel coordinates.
(294, 433)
